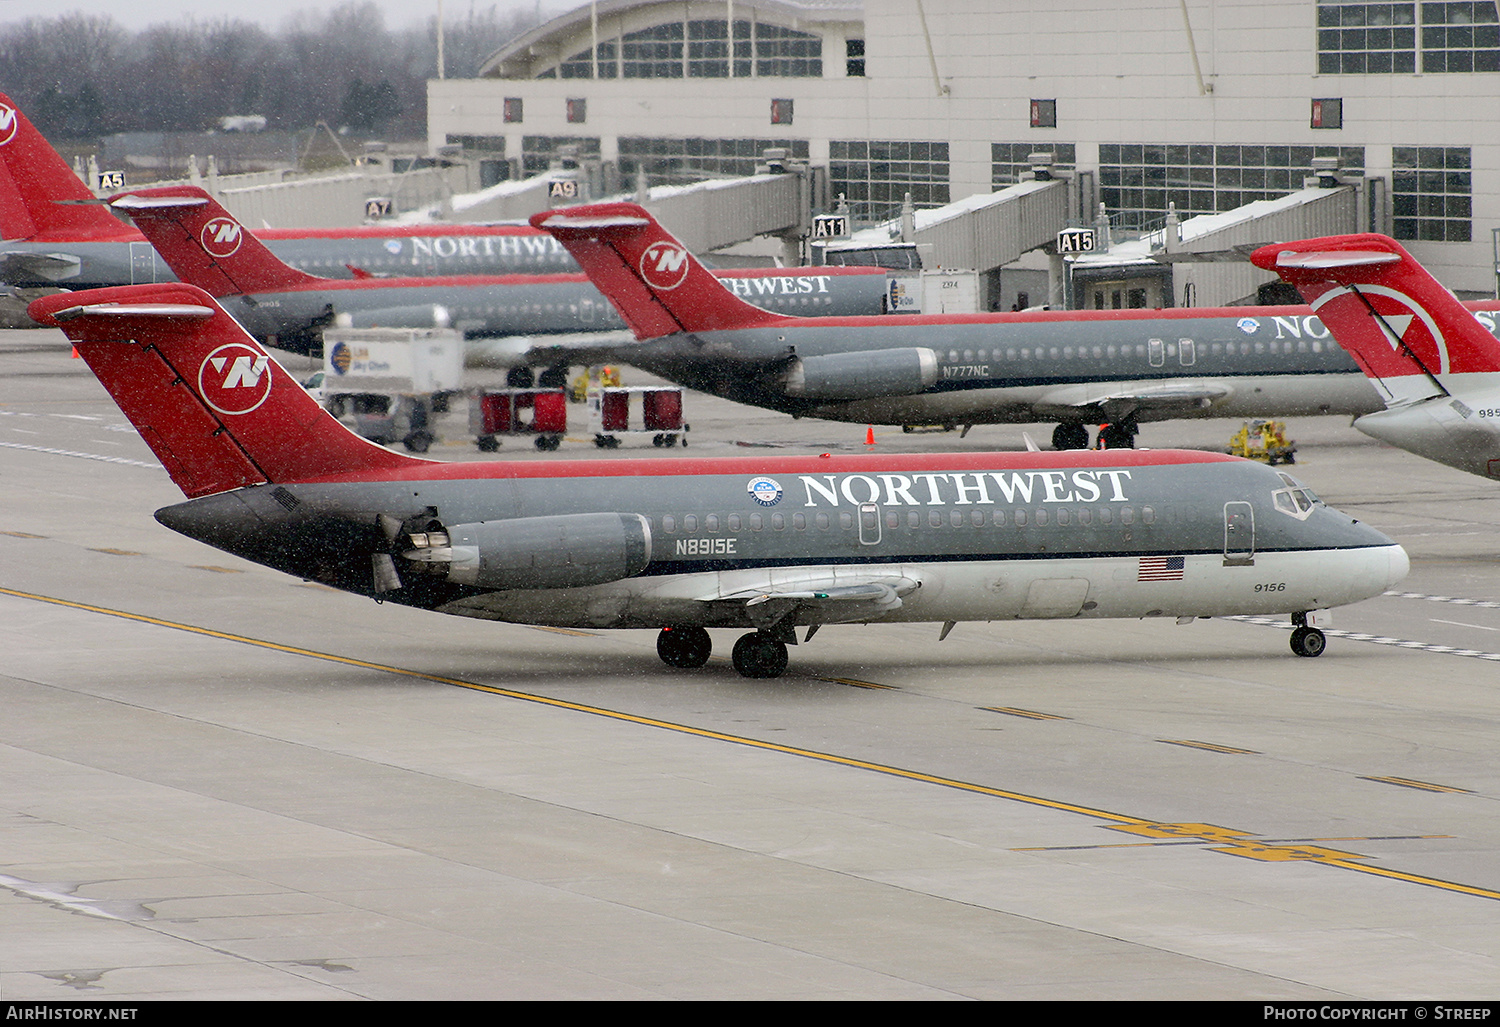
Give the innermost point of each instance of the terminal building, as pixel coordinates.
(1143, 109)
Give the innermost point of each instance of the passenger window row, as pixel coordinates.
(1104, 516)
(1184, 351)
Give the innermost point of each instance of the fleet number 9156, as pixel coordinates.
(1270, 586)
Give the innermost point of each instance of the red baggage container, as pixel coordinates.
(661, 409)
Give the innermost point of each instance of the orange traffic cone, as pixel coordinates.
(870, 435)
(75, 352)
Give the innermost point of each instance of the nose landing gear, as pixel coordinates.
(1307, 641)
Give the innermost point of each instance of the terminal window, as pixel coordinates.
(581, 64)
(787, 52)
(1432, 193)
(854, 58)
(538, 152)
(1388, 38)
(1458, 37)
(875, 175)
(655, 52)
(1138, 180)
(478, 144)
(1360, 38)
(1011, 162)
(701, 48)
(681, 160)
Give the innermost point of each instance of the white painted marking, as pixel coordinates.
(1461, 624)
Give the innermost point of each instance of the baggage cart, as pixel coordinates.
(539, 412)
(636, 410)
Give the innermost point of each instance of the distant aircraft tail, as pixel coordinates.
(213, 406)
(204, 245)
(40, 197)
(1408, 333)
(658, 287)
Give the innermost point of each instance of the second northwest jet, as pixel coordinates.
(1074, 368)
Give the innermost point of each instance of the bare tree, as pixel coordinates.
(81, 75)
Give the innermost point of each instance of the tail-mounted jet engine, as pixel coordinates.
(864, 375)
(566, 551)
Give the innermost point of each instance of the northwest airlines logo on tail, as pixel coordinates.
(1413, 327)
(233, 379)
(664, 265)
(9, 122)
(221, 236)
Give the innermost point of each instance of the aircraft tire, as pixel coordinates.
(1070, 435)
(1117, 436)
(758, 655)
(1308, 642)
(684, 647)
(554, 377)
(519, 378)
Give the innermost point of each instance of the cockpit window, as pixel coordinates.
(1296, 500)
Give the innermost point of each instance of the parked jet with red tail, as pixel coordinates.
(57, 234)
(206, 247)
(763, 545)
(1436, 364)
(1071, 367)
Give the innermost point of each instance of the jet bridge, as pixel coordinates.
(992, 230)
(1204, 260)
(705, 216)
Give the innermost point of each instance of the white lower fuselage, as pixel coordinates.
(1031, 589)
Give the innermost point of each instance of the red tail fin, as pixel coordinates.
(204, 245)
(213, 406)
(40, 197)
(1400, 324)
(658, 287)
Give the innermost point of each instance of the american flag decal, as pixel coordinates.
(1161, 568)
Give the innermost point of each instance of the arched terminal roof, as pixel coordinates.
(673, 39)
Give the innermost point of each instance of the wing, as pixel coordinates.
(1112, 401)
(25, 266)
(813, 599)
(574, 349)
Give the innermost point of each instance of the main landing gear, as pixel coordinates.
(760, 654)
(684, 647)
(1075, 435)
(1307, 641)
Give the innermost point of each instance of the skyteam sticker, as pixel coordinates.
(765, 491)
(1248, 325)
(341, 357)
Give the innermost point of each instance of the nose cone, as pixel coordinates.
(1400, 565)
